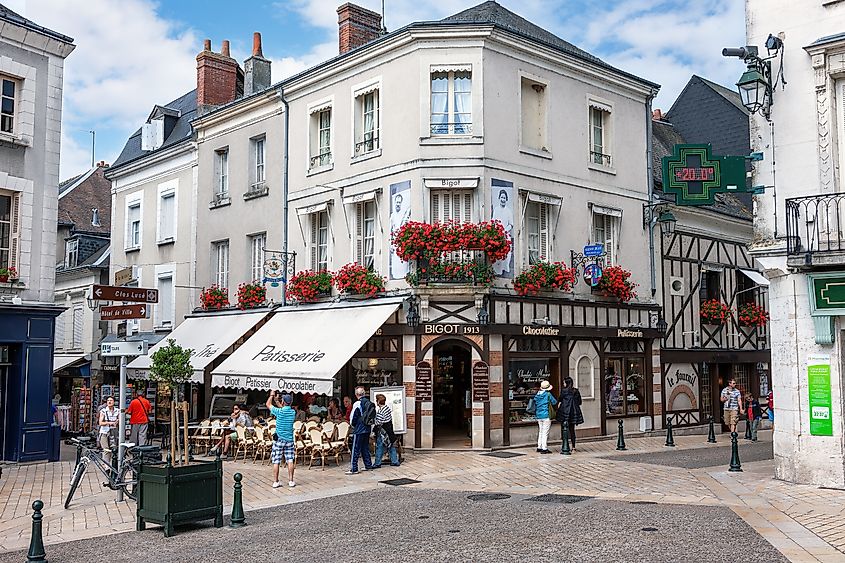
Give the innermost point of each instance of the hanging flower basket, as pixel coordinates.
(251, 295)
(544, 276)
(307, 286)
(614, 283)
(714, 312)
(359, 280)
(752, 315)
(214, 297)
(415, 240)
(7, 274)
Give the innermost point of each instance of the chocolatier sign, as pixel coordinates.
(480, 382)
(424, 388)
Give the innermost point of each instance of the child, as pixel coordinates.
(754, 414)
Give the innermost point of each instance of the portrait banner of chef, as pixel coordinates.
(502, 196)
(400, 213)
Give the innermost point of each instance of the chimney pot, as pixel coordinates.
(256, 45)
(225, 51)
(220, 79)
(206, 45)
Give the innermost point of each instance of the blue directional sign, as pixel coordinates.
(592, 274)
(594, 250)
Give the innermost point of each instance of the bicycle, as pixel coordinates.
(123, 478)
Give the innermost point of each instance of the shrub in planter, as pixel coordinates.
(359, 280)
(7, 274)
(714, 312)
(251, 295)
(752, 314)
(614, 283)
(544, 276)
(214, 297)
(308, 285)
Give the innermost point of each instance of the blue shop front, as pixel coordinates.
(27, 428)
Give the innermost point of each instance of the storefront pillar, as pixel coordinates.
(496, 416)
(426, 417)
(409, 375)
(656, 385)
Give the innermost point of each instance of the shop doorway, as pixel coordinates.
(452, 409)
(720, 374)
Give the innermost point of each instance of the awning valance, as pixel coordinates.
(320, 107)
(61, 361)
(602, 210)
(600, 106)
(369, 195)
(316, 208)
(300, 351)
(207, 336)
(467, 67)
(540, 197)
(756, 277)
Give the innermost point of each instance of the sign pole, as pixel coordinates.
(121, 424)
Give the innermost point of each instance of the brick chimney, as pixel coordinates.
(256, 68)
(356, 26)
(657, 115)
(220, 79)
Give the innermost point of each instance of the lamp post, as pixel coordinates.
(755, 86)
(659, 214)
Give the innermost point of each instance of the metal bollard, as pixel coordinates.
(747, 429)
(36, 553)
(735, 464)
(670, 439)
(620, 441)
(238, 519)
(711, 435)
(564, 448)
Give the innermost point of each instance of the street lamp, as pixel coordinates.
(659, 214)
(483, 314)
(755, 86)
(662, 326)
(412, 317)
(755, 89)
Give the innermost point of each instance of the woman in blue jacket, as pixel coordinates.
(542, 400)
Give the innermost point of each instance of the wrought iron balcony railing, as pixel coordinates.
(451, 128)
(458, 267)
(600, 158)
(815, 225)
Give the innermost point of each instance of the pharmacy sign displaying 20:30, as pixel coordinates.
(820, 403)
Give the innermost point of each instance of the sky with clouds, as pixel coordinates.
(132, 54)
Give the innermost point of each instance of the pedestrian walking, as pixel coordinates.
(385, 437)
(283, 445)
(363, 416)
(139, 410)
(732, 399)
(569, 409)
(753, 413)
(772, 408)
(109, 416)
(543, 400)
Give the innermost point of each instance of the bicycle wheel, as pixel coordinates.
(77, 478)
(128, 480)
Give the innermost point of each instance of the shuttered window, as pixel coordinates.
(78, 327)
(59, 340)
(257, 243)
(320, 241)
(537, 229)
(605, 231)
(451, 205)
(221, 256)
(365, 233)
(164, 307)
(167, 216)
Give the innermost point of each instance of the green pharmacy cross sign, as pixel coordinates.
(695, 175)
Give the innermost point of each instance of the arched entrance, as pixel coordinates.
(452, 365)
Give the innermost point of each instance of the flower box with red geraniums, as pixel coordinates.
(714, 312)
(614, 283)
(544, 276)
(214, 297)
(752, 314)
(358, 280)
(308, 286)
(415, 240)
(251, 295)
(7, 274)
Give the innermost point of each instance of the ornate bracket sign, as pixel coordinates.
(695, 175)
(278, 267)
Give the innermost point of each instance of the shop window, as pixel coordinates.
(524, 377)
(624, 386)
(533, 345)
(375, 372)
(584, 374)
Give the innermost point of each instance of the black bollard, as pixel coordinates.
(735, 464)
(747, 429)
(670, 439)
(36, 552)
(564, 448)
(238, 519)
(620, 441)
(711, 435)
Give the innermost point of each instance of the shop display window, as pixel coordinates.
(524, 377)
(624, 386)
(375, 372)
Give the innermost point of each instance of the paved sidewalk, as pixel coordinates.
(804, 523)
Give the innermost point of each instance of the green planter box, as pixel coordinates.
(178, 494)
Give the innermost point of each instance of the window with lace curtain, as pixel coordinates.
(367, 121)
(451, 102)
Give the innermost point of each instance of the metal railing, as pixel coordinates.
(367, 145)
(815, 224)
(459, 266)
(600, 158)
(323, 159)
(451, 128)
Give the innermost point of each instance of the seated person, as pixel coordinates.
(301, 415)
(238, 416)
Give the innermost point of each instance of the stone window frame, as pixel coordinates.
(25, 75)
(828, 63)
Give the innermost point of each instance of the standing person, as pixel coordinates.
(732, 399)
(139, 417)
(347, 409)
(542, 400)
(335, 413)
(772, 408)
(363, 417)
(283, 446)
(109, 416)
(569, 410)
(754, 414)
(385, 438)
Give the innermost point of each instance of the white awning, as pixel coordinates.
(207, 336)
(540, 197)
(756, 277)
(602, 210)
(369, 195)
(320, 107)
(309, 209)
(61, 361)
(300, 351)
(452, 68)
(600, 106)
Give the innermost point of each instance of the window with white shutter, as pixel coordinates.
(8, 230)
(164, 307)
(71, 253)
(320, 241)
(133, 223)
(78, 327)
(221, 263)
(258, 163)
(537, 230)
(451, 205)
(59, 337)
(167, 216)
(257, 244)
(365, 233)
(605, 231)
(221, 183)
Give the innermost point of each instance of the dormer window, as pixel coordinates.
(152, 134)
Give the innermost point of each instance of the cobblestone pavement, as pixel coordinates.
(804, 523)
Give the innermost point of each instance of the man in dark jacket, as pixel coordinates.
(363, 416)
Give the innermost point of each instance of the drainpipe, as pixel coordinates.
(650, 169)
(285, 203)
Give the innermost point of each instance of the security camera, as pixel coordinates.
(740, 52)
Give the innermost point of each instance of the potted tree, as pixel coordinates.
(178, 491)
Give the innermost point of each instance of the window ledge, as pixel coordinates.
(541, 153)
(451, 140)
(601, 168)
(221, 202)
(13, 139)
(320, 169)
(163, 328)
(256, 192)
(166, 241)
(366, 156)
(132, 249)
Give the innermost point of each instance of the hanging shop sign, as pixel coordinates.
(695, 175)
(424, 387)
(818, 387)
(480, 382)
(592, 274)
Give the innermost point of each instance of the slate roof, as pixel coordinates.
(730, 95)
(13, 17)
(78, 198)
(186, 105)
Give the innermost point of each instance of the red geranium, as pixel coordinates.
(214, 297)
(614, 283)
(308, 285)
(714, 312)
(251, 295)
(415, 240)
(358, 279)
(545, 276)
(752, 314)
